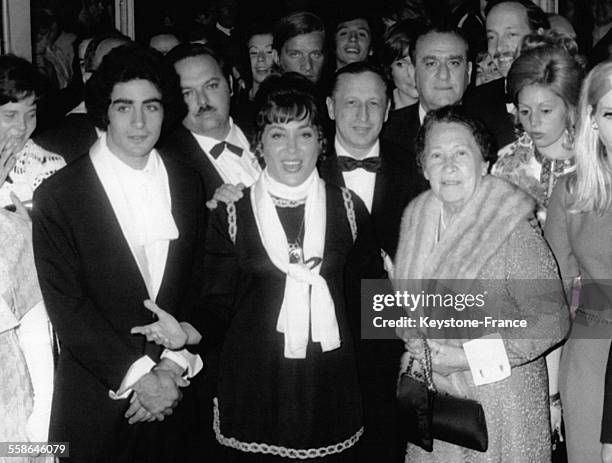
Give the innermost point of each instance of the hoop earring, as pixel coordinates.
(568, 139)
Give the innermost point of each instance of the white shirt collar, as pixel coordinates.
(422, 113)
(207, 143)
(340, 151)
(226, 30)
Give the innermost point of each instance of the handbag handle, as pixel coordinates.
(425, 364)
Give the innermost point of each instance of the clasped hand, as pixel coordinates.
(155, 396)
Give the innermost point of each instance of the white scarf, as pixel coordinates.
(142, 204)
(302, 309)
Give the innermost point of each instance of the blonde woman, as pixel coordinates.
(578, 228)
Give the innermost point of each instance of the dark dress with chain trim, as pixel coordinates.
(268, 404)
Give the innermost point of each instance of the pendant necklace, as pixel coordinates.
(296, 252)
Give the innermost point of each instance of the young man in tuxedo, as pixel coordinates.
(119, 227)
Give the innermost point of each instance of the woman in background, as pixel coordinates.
(544, 84)
(27, 163)
(578, 229)
(395, 57)
(257, 67)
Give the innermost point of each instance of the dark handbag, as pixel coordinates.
(426, 414)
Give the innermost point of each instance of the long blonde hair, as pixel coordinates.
(590, 186)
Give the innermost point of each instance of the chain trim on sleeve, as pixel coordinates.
(350, 211)
(231, 221)
(269, 449)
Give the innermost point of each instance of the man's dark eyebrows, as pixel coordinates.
(459, 57)
(122, 101)
(152, 100)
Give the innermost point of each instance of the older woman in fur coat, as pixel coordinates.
(475, 227)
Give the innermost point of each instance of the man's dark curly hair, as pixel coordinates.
(133, 62)
(457, 115)
(19, 79)
(287, 98)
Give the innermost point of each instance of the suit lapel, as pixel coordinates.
(176, 253)
(121, 254)
(380, 185)
(329, 169)
(185, 145)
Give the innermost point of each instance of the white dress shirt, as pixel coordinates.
(360, 180)
(232, 168)
(422, 114)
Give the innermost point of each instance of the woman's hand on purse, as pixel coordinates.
(447, 359)
(166, 331)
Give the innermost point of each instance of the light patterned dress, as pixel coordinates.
(19, 292)
(34, 164)
(521, 164)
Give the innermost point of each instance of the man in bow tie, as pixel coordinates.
(386, 180)
(376, 171)
(208, 139)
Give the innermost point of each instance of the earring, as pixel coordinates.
(594, 125)
(568, 139)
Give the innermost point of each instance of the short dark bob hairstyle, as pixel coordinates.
(287, 98)
(455, 115)
(19, 79)
(133, 62)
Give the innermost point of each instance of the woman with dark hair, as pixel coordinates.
(258, 65)
(395, 57)
(23, 164)
(474, 228)
(275, 259)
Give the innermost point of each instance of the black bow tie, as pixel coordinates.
(348, 164)
(216, 150)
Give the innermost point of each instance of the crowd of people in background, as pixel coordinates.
(186, 218)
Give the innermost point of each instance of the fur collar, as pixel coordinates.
(479, 231)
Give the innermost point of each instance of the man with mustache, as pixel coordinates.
(209, 140)
(507, 23)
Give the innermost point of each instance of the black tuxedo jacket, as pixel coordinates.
(182, 146)
(72, 137)
(94, 294)
(487, 102)
(401, 128)
(396, 184)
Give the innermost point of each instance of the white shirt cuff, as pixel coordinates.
(488, 359)
(191, 363)
(136, 371)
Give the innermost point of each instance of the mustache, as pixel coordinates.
(204, 109)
